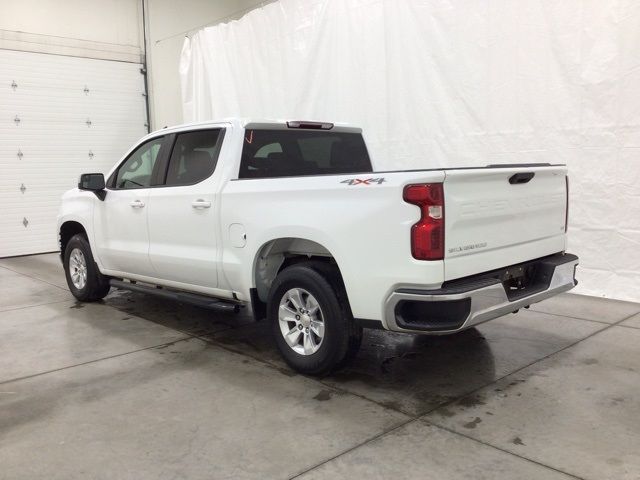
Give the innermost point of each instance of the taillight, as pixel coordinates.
(566, 212)
(427, 236)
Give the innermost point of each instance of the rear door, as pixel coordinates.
(183, 227)
(496, 217)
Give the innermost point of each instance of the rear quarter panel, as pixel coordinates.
(365, 226)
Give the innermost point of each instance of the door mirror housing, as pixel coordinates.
(93, 182)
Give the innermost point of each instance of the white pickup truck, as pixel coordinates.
(290, 220)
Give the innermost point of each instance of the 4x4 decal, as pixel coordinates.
(364, 181)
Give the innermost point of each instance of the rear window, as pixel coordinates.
(290, 153)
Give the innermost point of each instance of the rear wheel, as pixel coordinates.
(311, 319)
(85, 281)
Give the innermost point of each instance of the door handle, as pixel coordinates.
(137, 204)
(522, 177)
(200, 203)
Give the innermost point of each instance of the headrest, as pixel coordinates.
(196, 158)
(276, 156)
(196, 164)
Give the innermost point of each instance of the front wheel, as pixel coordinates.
(311, 319)
(85, 281)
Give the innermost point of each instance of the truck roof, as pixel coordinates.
(262, 123)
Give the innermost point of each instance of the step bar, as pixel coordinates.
(198, 300)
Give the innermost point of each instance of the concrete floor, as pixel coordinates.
(137, 387)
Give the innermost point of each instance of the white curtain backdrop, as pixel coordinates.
(455, 83)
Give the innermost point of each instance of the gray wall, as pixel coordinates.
(110, 30)
(167, 23)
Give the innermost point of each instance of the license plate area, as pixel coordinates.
(522, 280)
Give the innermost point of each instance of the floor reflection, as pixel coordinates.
(410, 373)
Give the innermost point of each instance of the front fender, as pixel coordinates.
(77, 206)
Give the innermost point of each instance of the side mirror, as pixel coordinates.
(93, 182)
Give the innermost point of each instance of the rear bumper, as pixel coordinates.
(463, 304)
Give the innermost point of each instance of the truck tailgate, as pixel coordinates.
(500, 216)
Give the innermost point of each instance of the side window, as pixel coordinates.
(194, 157)
(136, 170)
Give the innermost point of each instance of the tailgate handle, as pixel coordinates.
(522, 177)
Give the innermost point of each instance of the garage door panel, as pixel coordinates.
(52, 143)
(43, 92)
(70, 72)
(77, 119)
(77, 155)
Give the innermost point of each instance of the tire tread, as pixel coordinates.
(97, 284)
(347, 336)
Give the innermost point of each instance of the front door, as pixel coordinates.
(120, 221)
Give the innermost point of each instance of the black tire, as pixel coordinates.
(332, 274)
(97, 285)
(342, 337)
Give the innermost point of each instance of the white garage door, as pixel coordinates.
(59, 116)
